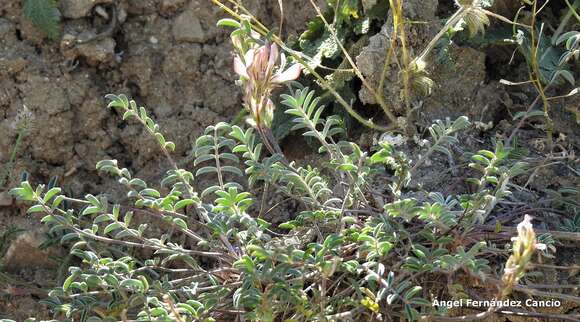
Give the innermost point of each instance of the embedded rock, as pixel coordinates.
(465, 93)
(98, 52)
(5, 199)
(373, 55)
(95, 52)
(187, 28)
(24, 252)
(168, 7)
(75, 9)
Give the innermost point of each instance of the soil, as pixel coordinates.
(169, 56)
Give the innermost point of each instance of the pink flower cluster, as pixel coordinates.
(262, 69)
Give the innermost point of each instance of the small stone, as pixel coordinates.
(98, 52)
(95, 52)
(187, 28)
(24, 252)
(11, 65)
(6, 28)
(153, 40)
(67, 40)
(122, 15)
(170, 6)
(75, 9)
(5, 199)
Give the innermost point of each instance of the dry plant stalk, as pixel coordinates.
(524, 246)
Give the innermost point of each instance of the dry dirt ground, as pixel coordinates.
(169, 56)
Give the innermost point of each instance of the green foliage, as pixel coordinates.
(215, 253)
(566, 198)
(573, 224)
(497, 168)
(549, 58)
(348, 19)
(351, 249)
(44, 15)
(442, 133)
(304, 107)
(554, 54)
(571, 41)
(130, 110)
(210, 148)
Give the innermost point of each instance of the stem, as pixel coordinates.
(524, 118)
(358, 73)
(536, 75)
(458, 15)
(399, 32)
(425, 157)
(49, 211)
(504, 19)
(188, 186)
(8, 167)
(217, 158)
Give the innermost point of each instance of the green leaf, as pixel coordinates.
(112, 226)
(25, 192)
(488, 154)
(160, 139)
(35, 208)
(68, 282)
(158, 311)
(91, 210)
(136, 182)
(57, 201)
(233, 170)
(128, 217)
(170, 146)
(565, 74)
(47, 219)
(44, 15)
(150, 193)
(180, 223)
(145, 283)
(410, 293)
(410, 312)
(347, 167)
(183, 203)
(68, 237)
(226, 22)
(366, 238)
(128, 114)
(133, 285)
(187, 309)
(204, 170)
(51, 193)
(481, 159)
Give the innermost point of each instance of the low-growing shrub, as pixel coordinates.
(186, 251)
(212, 257)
